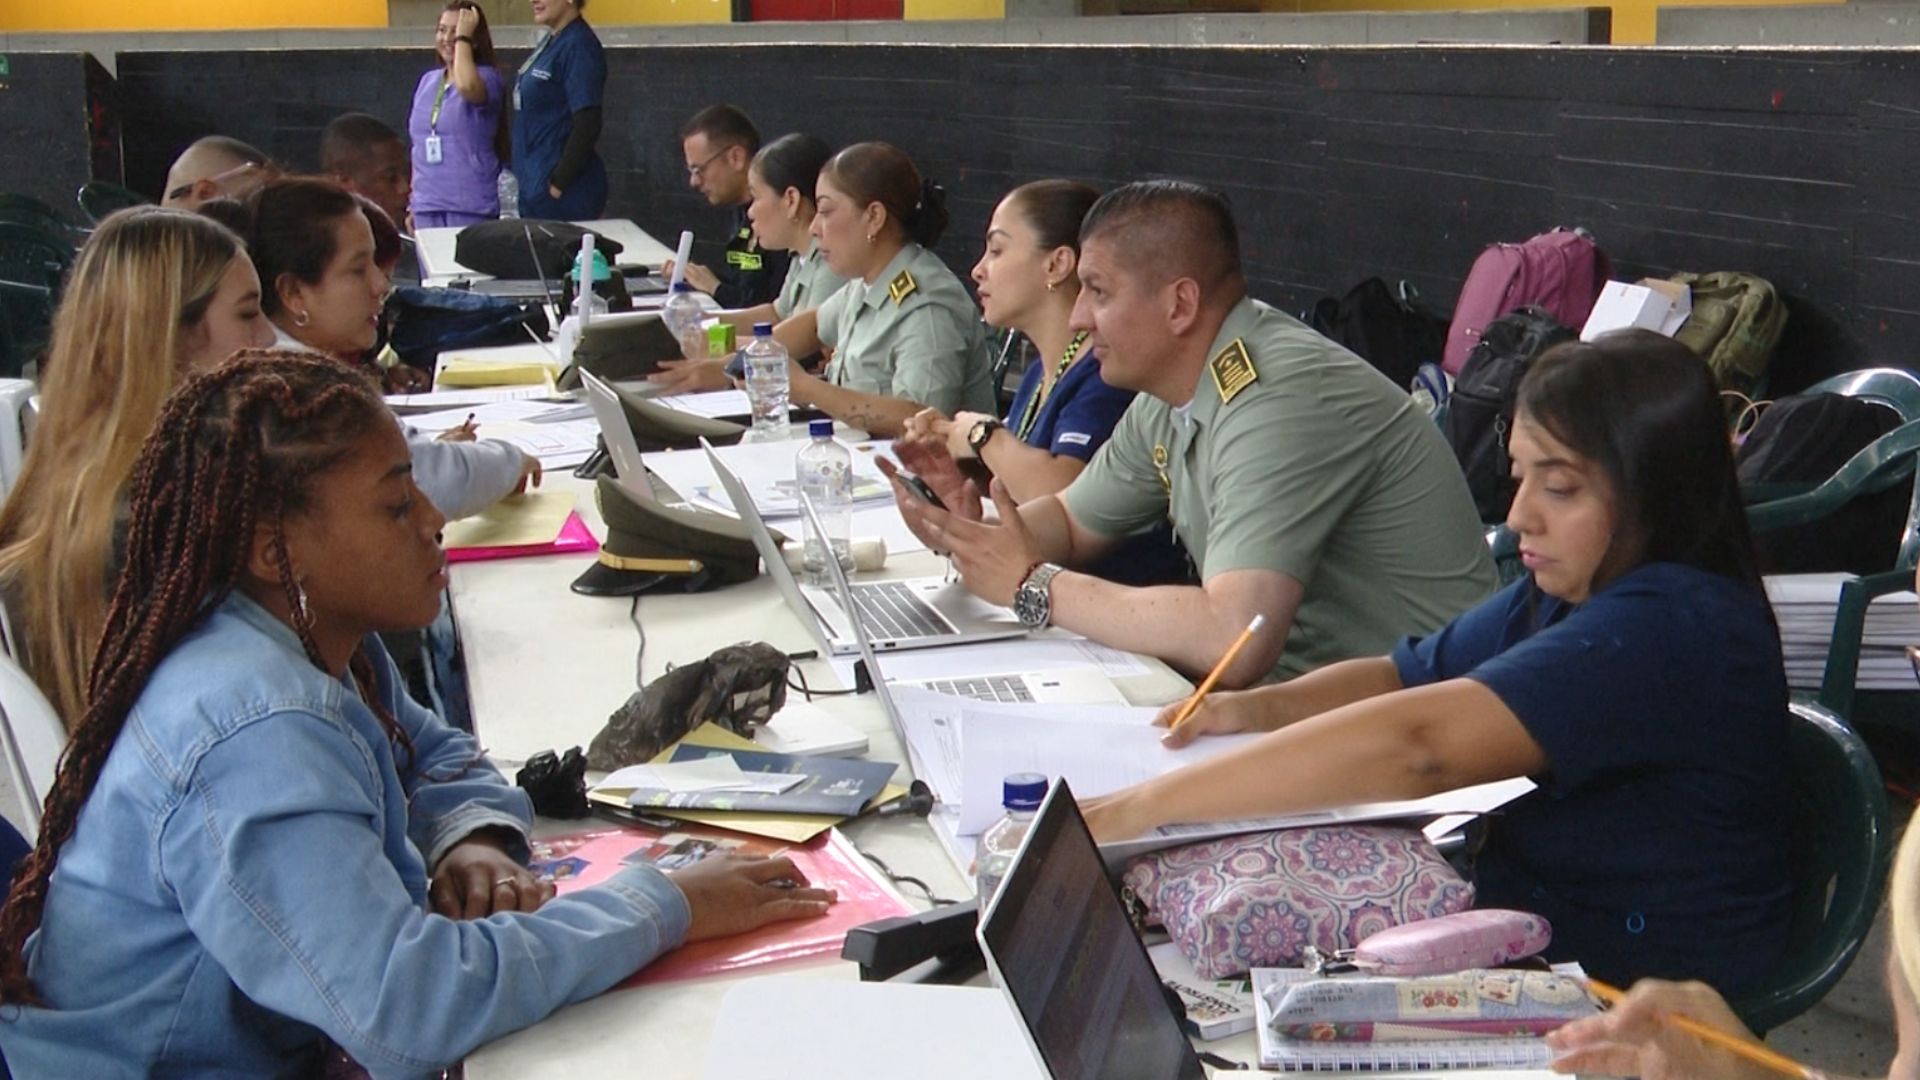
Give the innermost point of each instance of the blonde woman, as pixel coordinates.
(155, 294)
(1634, 1038)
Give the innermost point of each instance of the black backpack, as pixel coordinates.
(427, 322)
(1480, 411)
(508, 247)
(1799, 442)
(1385, 325)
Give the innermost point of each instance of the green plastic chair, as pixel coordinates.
(1842, 843)
(1890, 460)
(98, 198)
(26, 210)
(33, 264)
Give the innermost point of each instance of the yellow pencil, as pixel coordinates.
(1193, 703)
(1752, 1051)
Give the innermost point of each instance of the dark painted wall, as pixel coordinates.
(1342, 162)
(58, 126)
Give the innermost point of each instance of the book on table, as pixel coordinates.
(776, 784)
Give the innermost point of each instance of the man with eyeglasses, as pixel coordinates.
(719, 143)
(215, 167)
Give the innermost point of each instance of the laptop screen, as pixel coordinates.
(1059, 943)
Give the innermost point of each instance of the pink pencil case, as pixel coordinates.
(574, 536)
(1482, 938)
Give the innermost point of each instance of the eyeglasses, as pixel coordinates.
(216, 179)
(699, 171)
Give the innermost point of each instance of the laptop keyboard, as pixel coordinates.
(1006, 689)
(889, 609)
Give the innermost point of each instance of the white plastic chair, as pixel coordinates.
(16, 406)
(31, 737)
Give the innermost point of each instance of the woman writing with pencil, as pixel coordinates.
(1635, 674)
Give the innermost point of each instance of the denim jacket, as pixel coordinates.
(250, 873)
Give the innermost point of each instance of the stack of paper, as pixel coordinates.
(1804, 605)
(965, 749)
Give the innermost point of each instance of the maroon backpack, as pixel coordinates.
(1561, 271)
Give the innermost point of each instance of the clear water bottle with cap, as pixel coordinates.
(681, 313)
(509, 189)
(1021, 795)
(823, 470)
(766, 364)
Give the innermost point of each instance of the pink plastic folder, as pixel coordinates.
(574, 536)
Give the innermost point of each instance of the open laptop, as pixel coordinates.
(622, 447)
(908, 613)
(1086, 1001)
(1083, 686)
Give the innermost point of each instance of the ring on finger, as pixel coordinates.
(498, 882)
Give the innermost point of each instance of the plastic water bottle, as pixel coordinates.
(766, 362)
(824, 471)
(681, 313)
(1020, 794)
(509, 189)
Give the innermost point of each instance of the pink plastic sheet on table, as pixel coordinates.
(583, 859)
(574, 536)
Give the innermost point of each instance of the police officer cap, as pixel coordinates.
(651, 547)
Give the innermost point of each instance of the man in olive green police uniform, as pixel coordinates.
(1307, 488)
(719, 143)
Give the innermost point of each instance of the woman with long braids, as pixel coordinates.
(256, 844)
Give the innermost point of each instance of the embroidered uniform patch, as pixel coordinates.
(1232, 370)
(901, 287)
(1074, 438)
(745, 260)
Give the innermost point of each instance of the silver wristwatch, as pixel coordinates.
(1033, 600)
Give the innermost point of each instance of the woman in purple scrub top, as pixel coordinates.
(458, 125)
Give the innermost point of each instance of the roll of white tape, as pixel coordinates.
(869, 553)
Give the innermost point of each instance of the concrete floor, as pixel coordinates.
(1850, 1033)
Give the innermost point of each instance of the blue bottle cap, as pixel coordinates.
(1023, 791)
(763, 329)
(820, 429)
(681, 286)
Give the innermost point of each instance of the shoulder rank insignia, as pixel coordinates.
(1232, 370)
(901, 287)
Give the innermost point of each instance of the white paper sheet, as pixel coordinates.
(449, 399)
(1011, 656)
(712, 405)
(1055, 741)
(495, 412)
(556, 445)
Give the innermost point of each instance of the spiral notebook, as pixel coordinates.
(1290, 1055)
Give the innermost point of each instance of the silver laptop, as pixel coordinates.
(614, 428)
(1086, 1002)
(909, 613)
(1081, 686)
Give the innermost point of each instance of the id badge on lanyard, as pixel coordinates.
(430, 146)
(526, 66)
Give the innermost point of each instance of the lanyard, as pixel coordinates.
(527, 64)
(433, 121)
(1040, 393)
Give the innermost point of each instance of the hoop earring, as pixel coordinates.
(301, 318)
(300, 602)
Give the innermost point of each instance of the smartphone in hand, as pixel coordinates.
(920, 488)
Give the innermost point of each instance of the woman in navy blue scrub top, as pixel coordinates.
(556, 102)
(1028, 280)
(1634, 675)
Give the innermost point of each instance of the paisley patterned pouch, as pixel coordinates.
(1260, 900)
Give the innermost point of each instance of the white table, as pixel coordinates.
(545, 668)
(637, 250)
